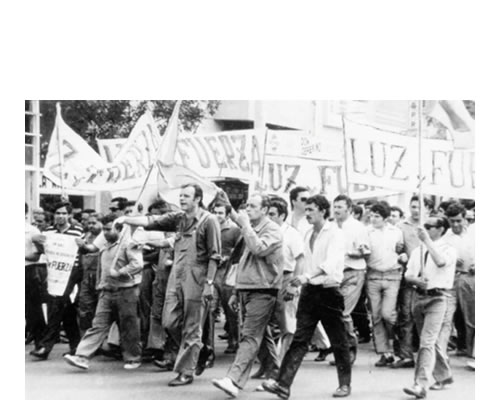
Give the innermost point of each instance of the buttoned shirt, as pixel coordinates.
(208, 242)
(128, 263)
(355, 234)
(383, 243)
(293, 246)
(464, 244)
(327, 254)
(438, 277)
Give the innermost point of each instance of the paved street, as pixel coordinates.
(106, 379)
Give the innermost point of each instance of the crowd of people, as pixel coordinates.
(289, 275)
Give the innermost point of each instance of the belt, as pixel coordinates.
(432, 292)
(117, 289)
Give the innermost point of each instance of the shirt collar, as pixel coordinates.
(261, 224)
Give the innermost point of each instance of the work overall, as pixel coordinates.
(184, 307)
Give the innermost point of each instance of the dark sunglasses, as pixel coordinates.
(429, 226)
(113, 209)
(304, 199)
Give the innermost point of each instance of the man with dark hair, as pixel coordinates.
(118, 205)
(320, 300)
(88, 295)
(357, 250)
(357, 212)
(84, 218)
(462, 238)
(118, 277)
(397, 215)
(298, 197)
(258, 280)
(60, 309)
(383, 279)
(442, 208)
(433, 280)
(190, 285)
(286, 306)
(405, 325)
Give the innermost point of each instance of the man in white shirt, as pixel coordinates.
(320, 300)
(297, 218)
(431, 270)
(357, 249)
(462, 238)
(383, 279)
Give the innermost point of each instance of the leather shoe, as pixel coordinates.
(274, 387)
(403, 363)
(384, 361)
(166, 365)
(260, 374)
(41, 353)
(342, 391)
(416, 390)
(181, 380)
(441, 385)
(322, 354)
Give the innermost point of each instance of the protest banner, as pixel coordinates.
(61, 251)
(84, 169)
(232, 154)
(109, 148)
(389, 160)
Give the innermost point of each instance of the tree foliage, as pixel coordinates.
(107, 119)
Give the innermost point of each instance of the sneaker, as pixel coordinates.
(77, 361)
(226, 385)
(471, 365)
(132, 364)
(441, 385)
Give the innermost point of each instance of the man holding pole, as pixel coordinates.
(190, 286)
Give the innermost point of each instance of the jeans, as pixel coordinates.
(429, 312)
(120, 305)
(442, 368)
(382, 289)
(87, 297)
(351, 288)
(257, 308)
(405, 324)
(60, 309)
(466, 291)
(317, 303)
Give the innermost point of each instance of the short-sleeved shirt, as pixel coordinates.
(437, 277)
(383, 256)
(355, 234)
(464, 244)
(293, 247)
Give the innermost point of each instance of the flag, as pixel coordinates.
(455, 117)
(76, 156)
(171, 177)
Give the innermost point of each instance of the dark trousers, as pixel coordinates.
(87, 299)
(60, 309)
(145, 301)
(35, 288)
(316, 304)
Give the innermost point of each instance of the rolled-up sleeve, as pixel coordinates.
(213, 238)
(164, 223)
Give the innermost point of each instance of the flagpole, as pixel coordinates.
(420, 178)
(175, 114)
(345, 157)
(59, 149)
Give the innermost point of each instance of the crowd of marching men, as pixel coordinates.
(289, 275)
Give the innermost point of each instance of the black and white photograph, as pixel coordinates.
(247, 248)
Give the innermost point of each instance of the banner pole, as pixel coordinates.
(345, 157)
(420, 178)
(59, 149)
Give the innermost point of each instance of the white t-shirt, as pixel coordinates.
(29, 246)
